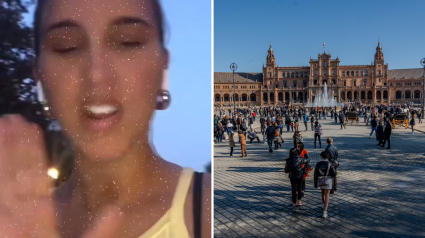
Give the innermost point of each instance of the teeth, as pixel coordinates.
(102, 109)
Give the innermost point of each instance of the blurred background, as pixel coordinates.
(180, 134)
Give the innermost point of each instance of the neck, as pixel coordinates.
(121, 181)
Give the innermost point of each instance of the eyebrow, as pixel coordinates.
(119, 21)
(130, 20)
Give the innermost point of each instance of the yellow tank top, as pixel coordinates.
(172, 223)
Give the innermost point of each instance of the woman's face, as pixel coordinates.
(101, 63)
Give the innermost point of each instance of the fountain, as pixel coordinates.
(323, 99)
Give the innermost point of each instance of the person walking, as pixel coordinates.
(297, 138)
(342, 120)
(294, 167)
(412, 123)
(419, 117)
(332, 155)
(366, 118)
(374, 125)
(243, 144)
(219, 133)
(296, 123)
(387, 133)
(305, 121)
(312, 121)
(307, 167)
(324, 171)
(336, 118)
(231, 144)
(317, 133)
(287, 123)
(380, 134)
(270, 131)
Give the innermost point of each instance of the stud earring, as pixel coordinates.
(163, 99)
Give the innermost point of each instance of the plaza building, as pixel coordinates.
(276, 86)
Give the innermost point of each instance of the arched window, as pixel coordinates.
(292, 74)
(287, 75)
(379, 79)
(315, 73)
(379, 72)
(345, 82)
(324, 72)
(361, 73)
(357, 73)
(315, 82)
(305, 74)
(296, 74)
(343, 73)
(283, 75)
(352, 73)
(365, 73)
(355, 82)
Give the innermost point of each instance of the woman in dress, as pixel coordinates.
(317, 133)
(102, 65)
(324, 170)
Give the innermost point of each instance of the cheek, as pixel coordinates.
(60, 83)
(139, 82)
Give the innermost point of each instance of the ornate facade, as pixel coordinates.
(276, 85)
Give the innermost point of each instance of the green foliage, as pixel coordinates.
(16, 58)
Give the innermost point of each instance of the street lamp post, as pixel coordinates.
(234, 67)
(423, 87)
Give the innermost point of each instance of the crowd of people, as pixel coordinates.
(274, 121)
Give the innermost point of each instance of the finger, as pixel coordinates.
(106, 225)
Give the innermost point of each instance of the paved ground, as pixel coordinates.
(381, 193)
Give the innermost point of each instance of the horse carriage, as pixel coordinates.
(401, 118)
(353, 116)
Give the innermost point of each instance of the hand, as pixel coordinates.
(26, 202)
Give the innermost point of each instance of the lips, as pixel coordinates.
(101, 115)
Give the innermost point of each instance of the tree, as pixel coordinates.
(16, 58)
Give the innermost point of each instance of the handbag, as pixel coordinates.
(320, 132)
(324, 181)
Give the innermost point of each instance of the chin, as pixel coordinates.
(103, 150)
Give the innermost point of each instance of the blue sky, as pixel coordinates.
(298, 28)
(182, 134)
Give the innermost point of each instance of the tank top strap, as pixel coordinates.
(177, 207)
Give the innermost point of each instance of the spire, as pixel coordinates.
(270, 55)
(379, 55)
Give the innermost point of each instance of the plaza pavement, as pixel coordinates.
(381, 193)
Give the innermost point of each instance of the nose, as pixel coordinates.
(100, 72)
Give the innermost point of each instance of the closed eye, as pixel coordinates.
(65, 50)
(131, 43)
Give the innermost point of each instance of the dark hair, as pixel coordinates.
(293, 152)
(324, 155)
(157, 9)
(316, 123)
(301, 146)
(329, 140)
